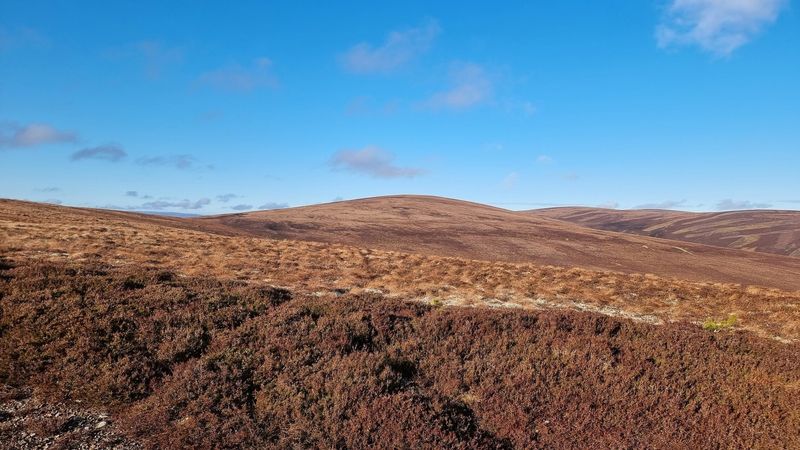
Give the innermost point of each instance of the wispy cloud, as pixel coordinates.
(399, 48)
(160, 205)
(49, 189)
(730, 205)
(273, 205)
(225, 198)
(242, 207)
(238, 78)
(716, 26)
(372, 161)
(110, 152)
(609, 205)
(470, 86)
(177, 161)
(13, 135)
(667, 204)
(510, 180)
(544, 159)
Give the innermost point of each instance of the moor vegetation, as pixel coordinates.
(45, 233)
(181, 361)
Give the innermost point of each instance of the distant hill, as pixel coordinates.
(168, 214)
(764, 231)
(440, 226)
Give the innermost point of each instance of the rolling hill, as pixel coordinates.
(134, 331)
(447, 227)
(766, 231)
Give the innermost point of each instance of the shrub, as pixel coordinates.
(717, 325)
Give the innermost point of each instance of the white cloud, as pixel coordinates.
(372, 161)
(18, 136)
(544, 159)
(399, 48)
(160, 205)
(716, 26)
(470, 86)
(240, 78)
(273, 205)
(225, 198)
(242, 207)
(730, 205)
(110, 152)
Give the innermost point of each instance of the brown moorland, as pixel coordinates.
(36, 232)
(187, 362)
(446, 227)
(178, 334)
(767, 231)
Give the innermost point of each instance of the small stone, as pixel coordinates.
(101, 424)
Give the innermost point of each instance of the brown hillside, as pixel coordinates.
(764, 231)
(169, 361)
(74, 236)
(438, 226)
(127, 331)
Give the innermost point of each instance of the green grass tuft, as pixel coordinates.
(716, 325)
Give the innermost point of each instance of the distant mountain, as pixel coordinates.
(764, 231)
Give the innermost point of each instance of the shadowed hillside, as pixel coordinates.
(764, 231)
(439, 226)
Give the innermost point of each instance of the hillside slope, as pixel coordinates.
(446, 227)
(764, 231)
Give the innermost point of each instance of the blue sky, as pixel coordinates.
(209, 108)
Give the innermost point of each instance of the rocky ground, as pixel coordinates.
(28, 423)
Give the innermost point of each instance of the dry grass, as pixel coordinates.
(43, 233)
